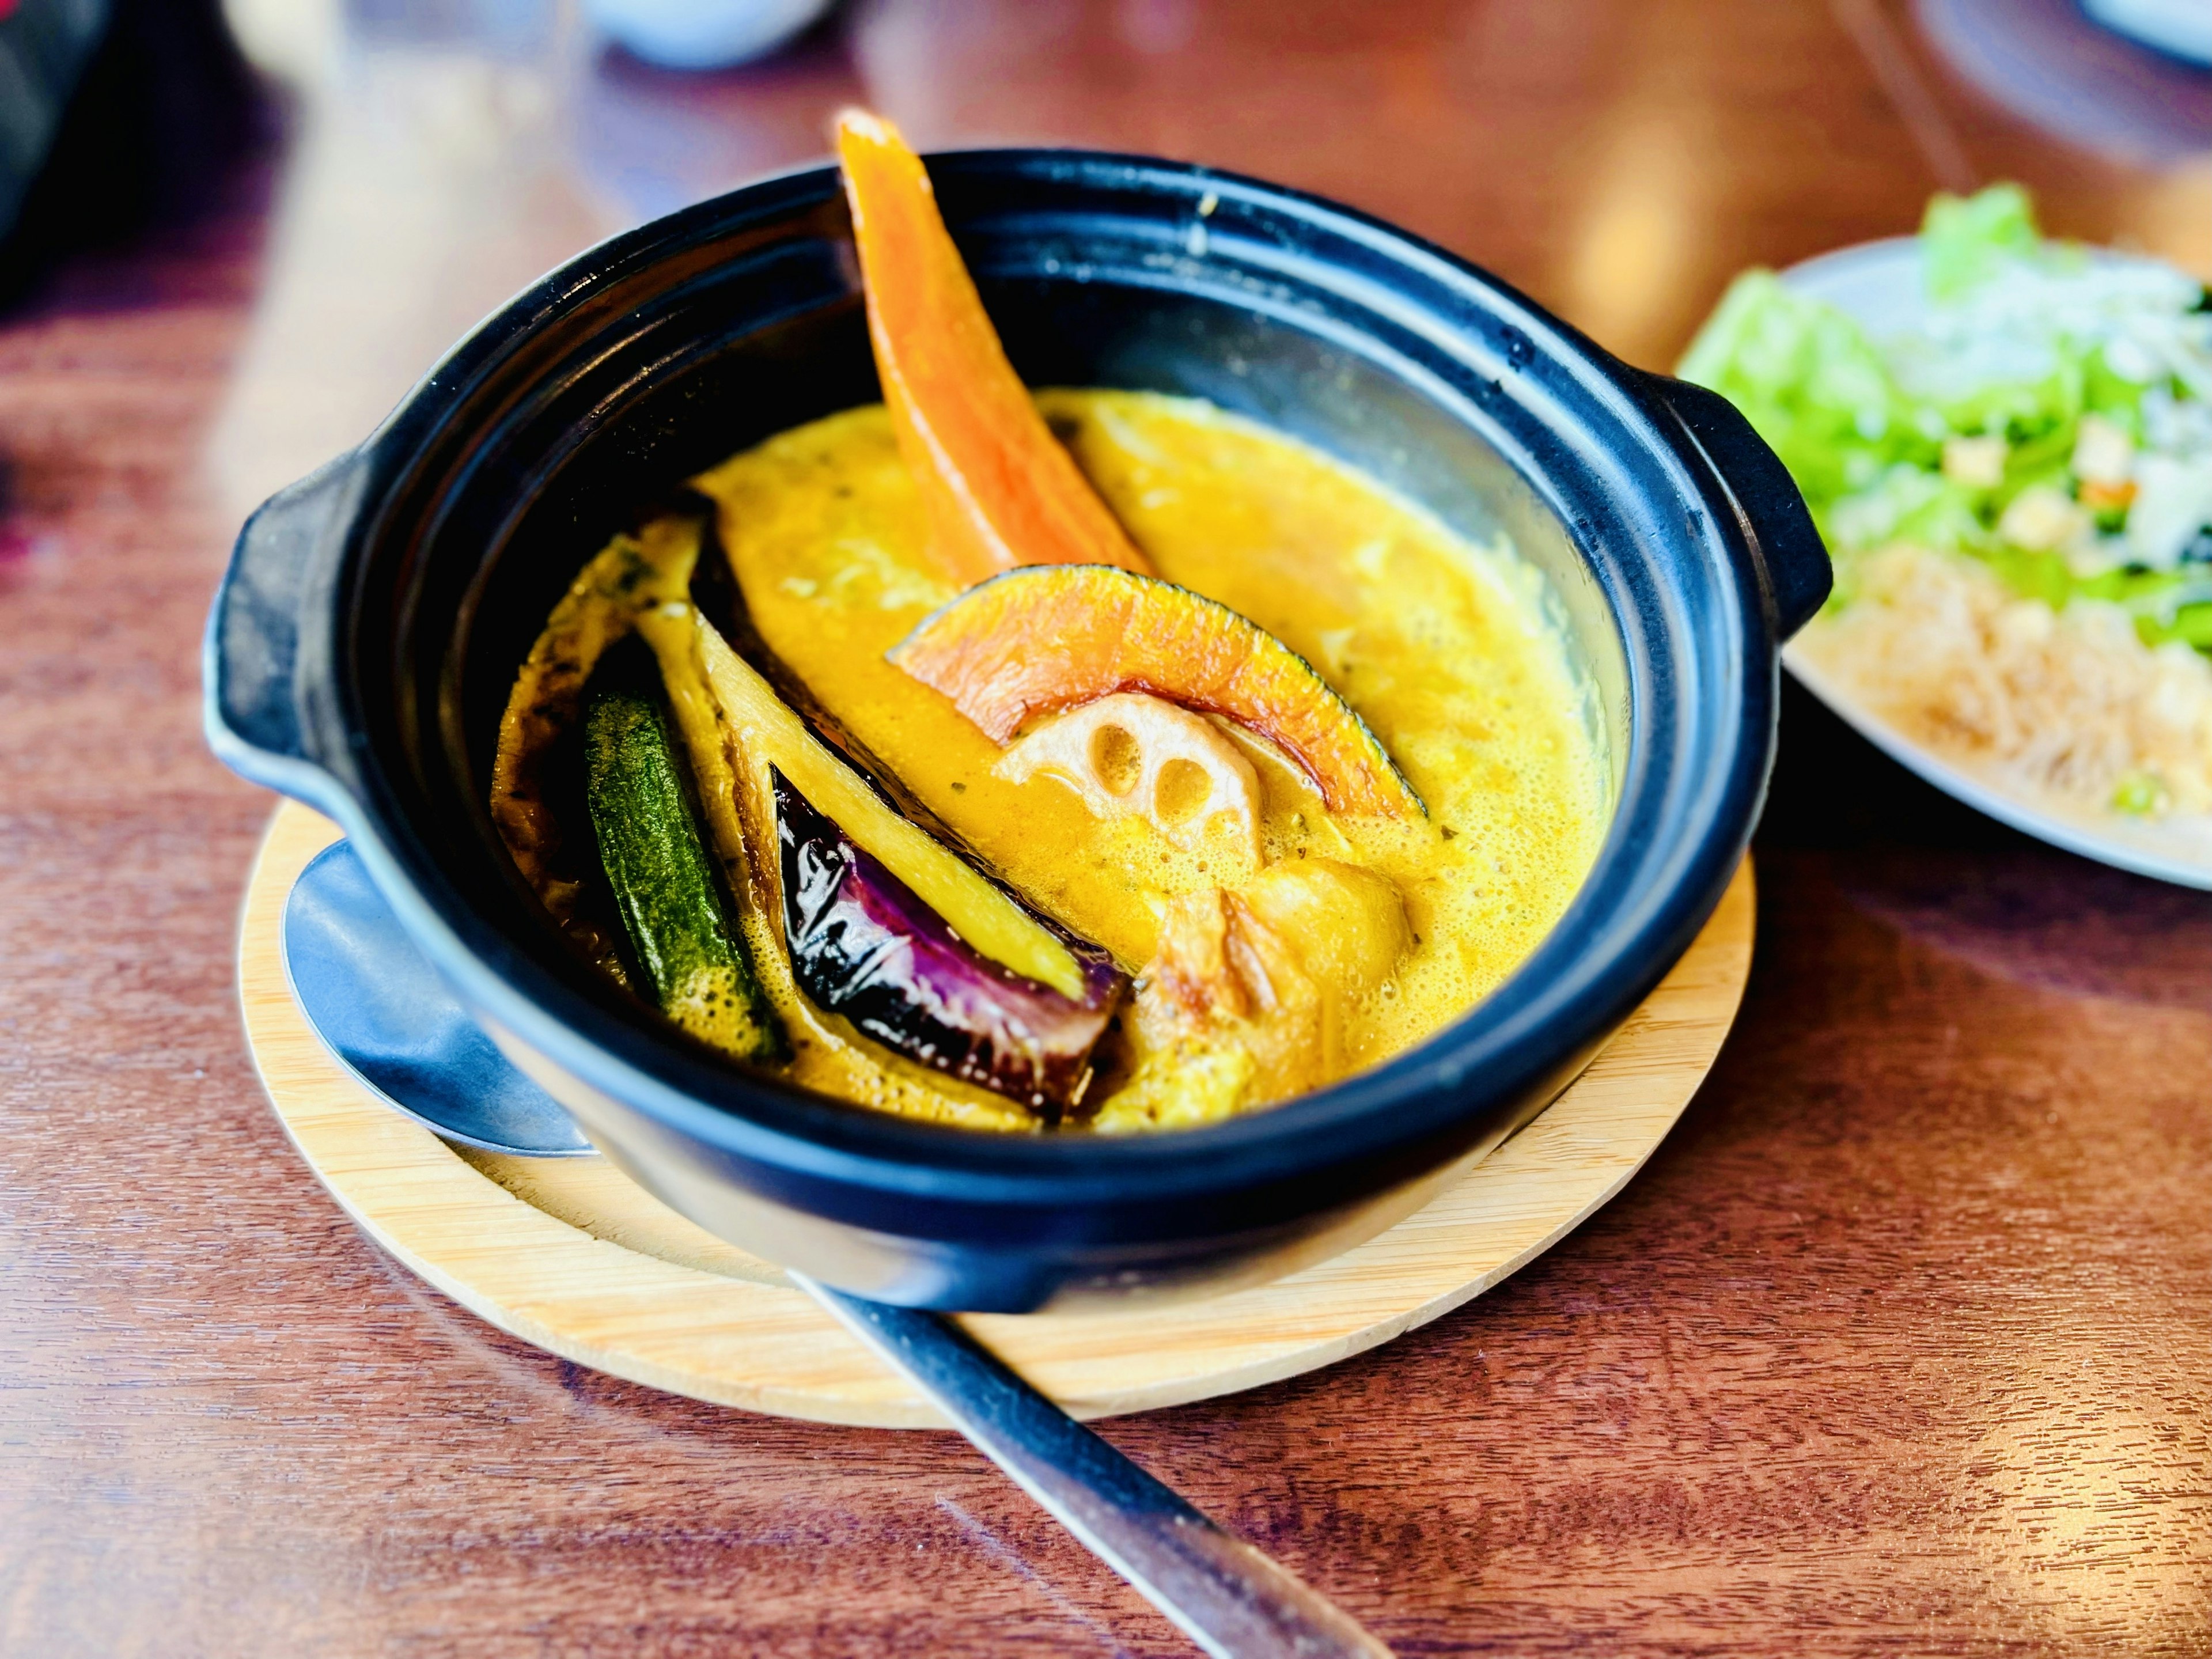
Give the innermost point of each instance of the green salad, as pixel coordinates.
(2049, 414)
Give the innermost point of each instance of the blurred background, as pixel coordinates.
(387, 171)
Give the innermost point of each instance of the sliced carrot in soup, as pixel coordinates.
(1035, 641)
(999, 489)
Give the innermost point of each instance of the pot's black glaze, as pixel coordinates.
(365, 636)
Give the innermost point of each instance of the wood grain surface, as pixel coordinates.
(574, 1257)
(1901, 1344)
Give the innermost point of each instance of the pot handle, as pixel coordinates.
(1788, 549)
(265, 664)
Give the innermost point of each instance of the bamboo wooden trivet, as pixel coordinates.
(572, 1255)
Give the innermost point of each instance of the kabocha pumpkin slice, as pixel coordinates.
(863, 947)
(663, 884)
(999, 489)
(1033, 642)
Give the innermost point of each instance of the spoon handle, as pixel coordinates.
(1230, 1599)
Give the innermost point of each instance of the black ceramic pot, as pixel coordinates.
(364, 641)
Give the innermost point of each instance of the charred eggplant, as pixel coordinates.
(864, 946)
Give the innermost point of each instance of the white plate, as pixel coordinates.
(1878, 285)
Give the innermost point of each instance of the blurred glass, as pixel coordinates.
(701, 35)
(2048, 62)
(2180, 27)
(448, 152)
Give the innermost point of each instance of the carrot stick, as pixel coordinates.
(999, 489)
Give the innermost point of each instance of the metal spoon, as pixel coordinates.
(379, 1006)
(375, 1000)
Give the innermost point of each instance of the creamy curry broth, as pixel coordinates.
(1439, 644)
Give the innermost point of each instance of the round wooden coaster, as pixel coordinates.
(570, 1255)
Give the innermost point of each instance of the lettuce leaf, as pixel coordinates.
(1966, 240)
(1811, 384)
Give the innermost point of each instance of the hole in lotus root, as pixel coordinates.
(1118, 759)
(1182, 787)
(1130, 755)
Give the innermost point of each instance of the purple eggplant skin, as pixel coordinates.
(864, 947)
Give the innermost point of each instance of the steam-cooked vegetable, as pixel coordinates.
(1132, 756)
(864, 946)
(663, 886)
(999, 489)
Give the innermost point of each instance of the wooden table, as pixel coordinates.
(1902, 1344)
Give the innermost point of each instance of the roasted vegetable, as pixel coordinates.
(768, 730)
(999, 489)
(864, 947)
(537, 770)
(1034, 642)
(663, 884)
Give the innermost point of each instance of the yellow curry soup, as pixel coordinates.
(1439, 645)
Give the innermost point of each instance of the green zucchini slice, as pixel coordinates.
(664, 886)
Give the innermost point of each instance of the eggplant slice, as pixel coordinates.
(863, 947)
